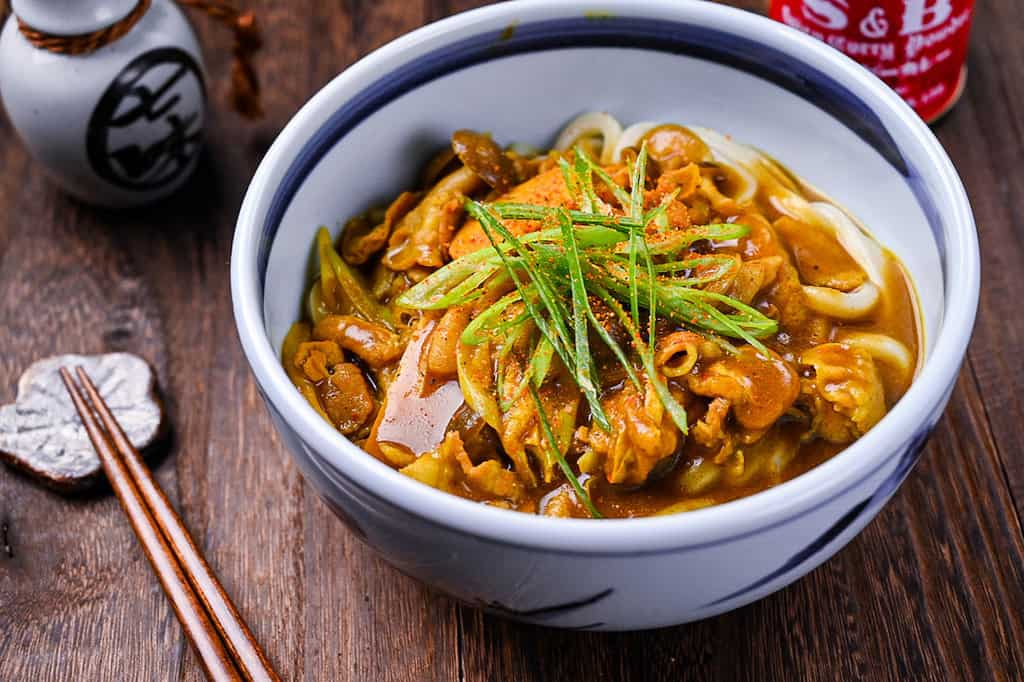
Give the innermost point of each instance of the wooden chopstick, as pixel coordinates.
(236, 634)
(175, 546)
(214, 657)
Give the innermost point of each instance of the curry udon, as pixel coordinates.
(636, 322)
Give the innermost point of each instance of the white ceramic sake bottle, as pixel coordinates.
(119, 126)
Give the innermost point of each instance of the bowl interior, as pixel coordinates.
(529, 97)
(523, 69)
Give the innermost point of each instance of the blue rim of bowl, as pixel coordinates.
(256, 233)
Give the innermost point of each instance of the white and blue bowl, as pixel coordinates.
(522, 70)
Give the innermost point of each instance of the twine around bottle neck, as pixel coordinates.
(83, 43)
(245, 89)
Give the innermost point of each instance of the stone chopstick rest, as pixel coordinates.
(41, 434)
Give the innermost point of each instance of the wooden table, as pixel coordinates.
(934, 588)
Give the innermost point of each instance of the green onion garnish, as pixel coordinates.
(549, 438)
(541, 283)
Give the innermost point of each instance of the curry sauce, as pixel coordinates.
(634, 324)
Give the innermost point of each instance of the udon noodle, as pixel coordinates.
(641, 320)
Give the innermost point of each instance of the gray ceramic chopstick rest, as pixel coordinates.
(120, 122)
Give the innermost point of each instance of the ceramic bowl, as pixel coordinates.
(522, 70)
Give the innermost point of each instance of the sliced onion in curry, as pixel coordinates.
(642, 321)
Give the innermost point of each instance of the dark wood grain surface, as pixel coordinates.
(933, 589)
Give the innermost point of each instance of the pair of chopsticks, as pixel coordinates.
(226, 647)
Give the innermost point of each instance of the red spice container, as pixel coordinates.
(918, 47)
